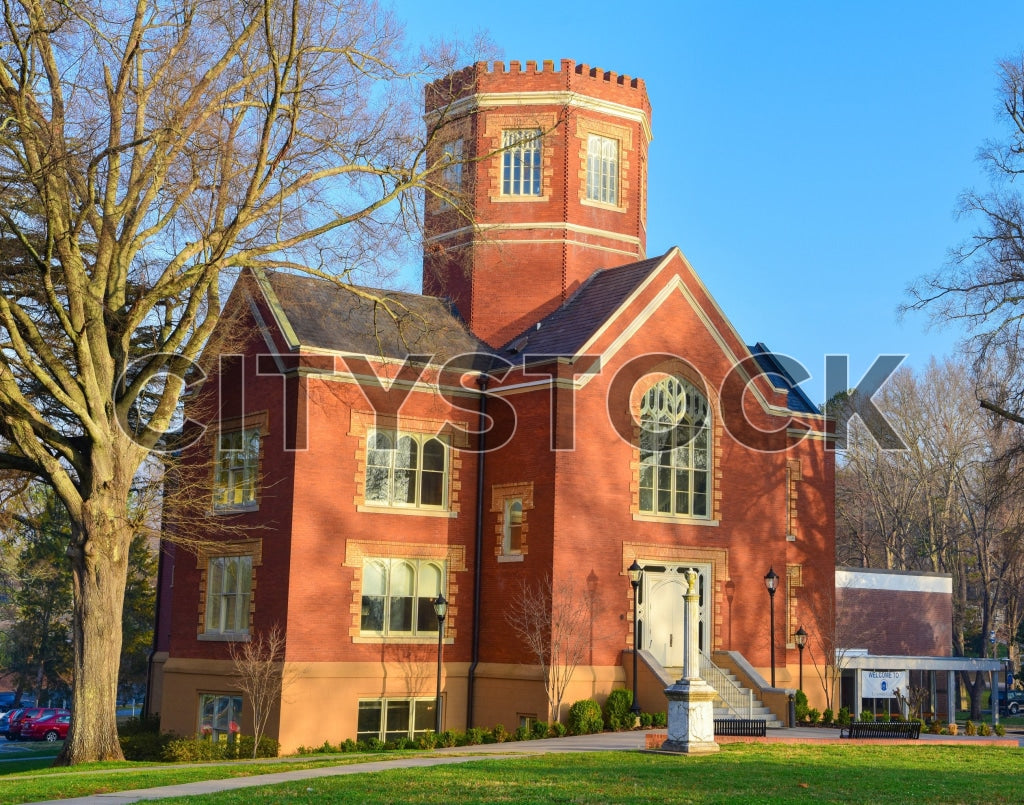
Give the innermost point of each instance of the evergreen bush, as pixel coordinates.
(844, 718)
(616, 712)
(585, 718)
(800, 706)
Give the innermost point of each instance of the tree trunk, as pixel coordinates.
(99, 562)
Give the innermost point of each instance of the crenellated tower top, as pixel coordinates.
(551, 165)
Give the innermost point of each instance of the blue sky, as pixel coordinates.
(807, 157)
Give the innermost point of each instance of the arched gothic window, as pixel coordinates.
(675, 450)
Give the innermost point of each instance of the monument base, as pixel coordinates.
(691, 718)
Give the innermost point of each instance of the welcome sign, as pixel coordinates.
(881, 684)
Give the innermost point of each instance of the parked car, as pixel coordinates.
(1011, 702)
(17, 723)
(48, 728)
(5, 722)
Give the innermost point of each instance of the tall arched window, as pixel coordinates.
(675, 450)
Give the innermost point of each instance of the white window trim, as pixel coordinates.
(234, 476)
(217, 599)
(607, 181)
(383, 702)
(416, 633)
(516, 145)
(417, 507)
(692, 393)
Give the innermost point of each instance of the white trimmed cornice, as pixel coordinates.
(576, 100)
(559, 226)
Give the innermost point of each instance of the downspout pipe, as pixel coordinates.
(479, 545)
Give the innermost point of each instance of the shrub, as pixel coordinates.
(500, 733)
(616, 712)
(970, 729)
(348, 745)
(558, 729)
(375, 745)
(187, 750)
(800, 706)
(521, 734)
(540, 729)
(813, 716)
(585, 718)
(934, 727)
(646, 719)
(984, 729)
(867, 715)
(474, 735)
(405, 743)
(660, 720)
(448, 738)
(827, 716)
(1000, 730)
(844, 718)
(883, 717)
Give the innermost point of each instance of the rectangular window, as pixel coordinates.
(602, 169)
(219, 716)
(389, 719)
(521, 162)
(398, 596)
(406, 470)
(451, 174)
(238, 459)
(228, 591)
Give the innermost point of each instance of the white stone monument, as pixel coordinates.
(691, 713)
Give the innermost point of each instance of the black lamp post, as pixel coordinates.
(771, 581)
(440, 609)
(801, 640)
(636, 573)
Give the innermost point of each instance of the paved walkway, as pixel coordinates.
(608, 741)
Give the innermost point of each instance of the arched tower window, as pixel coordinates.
(675, 450)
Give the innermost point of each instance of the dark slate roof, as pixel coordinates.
(775, 368)
(373, 322)
(567, 329)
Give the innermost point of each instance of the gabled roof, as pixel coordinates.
(319, 314)
(775, 369)
(567, 329)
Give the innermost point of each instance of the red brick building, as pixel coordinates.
(555, 406)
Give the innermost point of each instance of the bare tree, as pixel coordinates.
(262, 676)
(551, 619)
(149, 151)
(982, 285)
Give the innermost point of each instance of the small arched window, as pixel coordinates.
(675, 450)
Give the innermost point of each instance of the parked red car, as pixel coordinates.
(18, 723)
(48, 728)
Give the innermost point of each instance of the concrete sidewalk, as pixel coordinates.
(609, 741)
(603, 742)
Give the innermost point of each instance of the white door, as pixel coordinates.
(661, 610)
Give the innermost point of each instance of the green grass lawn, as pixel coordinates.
(740, 773)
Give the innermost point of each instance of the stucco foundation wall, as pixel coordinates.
(504, 693)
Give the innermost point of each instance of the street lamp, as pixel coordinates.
(440, 609)
(771, 581)
(801, 640)
(636, 573)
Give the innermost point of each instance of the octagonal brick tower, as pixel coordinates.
(553, 187)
